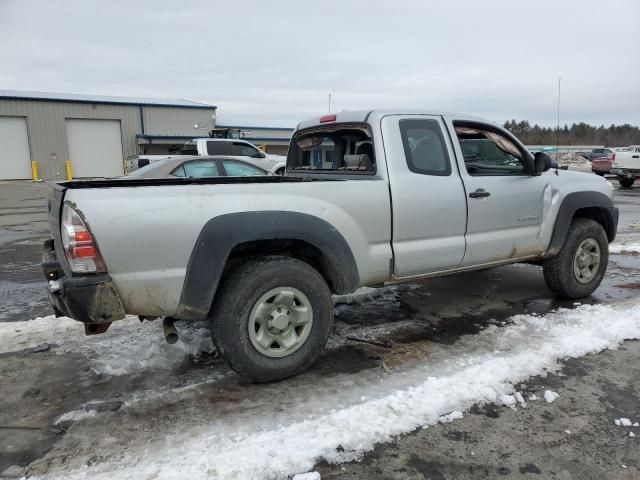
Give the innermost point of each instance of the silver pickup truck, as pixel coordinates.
(369, 198)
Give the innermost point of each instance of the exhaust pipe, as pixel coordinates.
(170, 332)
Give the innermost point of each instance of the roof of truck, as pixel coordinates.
(347, 116)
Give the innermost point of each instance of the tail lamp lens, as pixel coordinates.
(78, 244)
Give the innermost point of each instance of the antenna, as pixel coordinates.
(558, 128)
(329, 103)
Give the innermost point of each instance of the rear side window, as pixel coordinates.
(340, 148)
(197, 169)
(219, 148)
(424, 147)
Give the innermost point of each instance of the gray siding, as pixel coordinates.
(177, 121)
(47, 130)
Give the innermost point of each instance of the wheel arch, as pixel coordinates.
(593, 205)
(226, 241)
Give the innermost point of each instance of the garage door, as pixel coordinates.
(95, 148)
(15, 159)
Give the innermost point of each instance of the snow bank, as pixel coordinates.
(435, 392)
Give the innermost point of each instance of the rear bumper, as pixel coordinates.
(625, 173)
(88, 299)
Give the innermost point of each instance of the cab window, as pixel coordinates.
(487, 152)
(240, 149)
(218, 148)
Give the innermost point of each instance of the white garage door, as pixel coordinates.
(95, 148)
(15, 159)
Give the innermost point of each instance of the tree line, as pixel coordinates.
(576, 134)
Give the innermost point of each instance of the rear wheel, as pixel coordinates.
(600, 173)
(577, 270)
(626, 182)
(273, 318)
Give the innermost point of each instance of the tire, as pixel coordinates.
(626, 182)
(599, 173)
(560, 271)
(247, 290)
(280, 171)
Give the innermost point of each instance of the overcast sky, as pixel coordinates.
(275, 62)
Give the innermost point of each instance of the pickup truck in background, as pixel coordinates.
(626, 166)
(369, 198)
(601, 160)
(240, 149)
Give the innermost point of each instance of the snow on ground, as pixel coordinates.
(128, 346)
(550, 396)
(624, 248)
(248, 444)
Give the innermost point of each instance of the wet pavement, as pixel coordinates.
(384, 329)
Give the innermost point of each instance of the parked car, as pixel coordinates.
(260, 257)
(627, 166)
(601, 160)
(596, 153)
(135, 162)
(201, 167)
(240, 149)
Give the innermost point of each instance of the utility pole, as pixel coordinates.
(558, 128)
(329, 103)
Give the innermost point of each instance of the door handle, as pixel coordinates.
(635, 156)
(479, 193)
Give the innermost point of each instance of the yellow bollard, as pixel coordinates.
(67, 167)
(34, 171)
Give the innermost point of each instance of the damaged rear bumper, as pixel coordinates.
(91, 299)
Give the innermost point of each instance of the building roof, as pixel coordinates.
(103, 99)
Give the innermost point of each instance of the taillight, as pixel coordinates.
(613, 157)
(328, 118)
(78, 244)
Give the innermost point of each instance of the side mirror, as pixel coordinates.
(542, 163)
(259, 155)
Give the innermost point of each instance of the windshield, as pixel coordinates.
(346, 148)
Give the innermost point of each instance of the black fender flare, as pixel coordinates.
(221, 234)
(568, 208)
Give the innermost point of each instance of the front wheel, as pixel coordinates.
(577, 270)
(272, 318)
(626, 182)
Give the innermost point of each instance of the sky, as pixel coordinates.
(274, 63)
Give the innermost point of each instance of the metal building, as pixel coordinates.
(94, 133)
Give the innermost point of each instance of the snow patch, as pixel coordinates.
(127, 347)
(306, 476)
(550, 396)
(618, 248)
(423, 394)
(625, 422)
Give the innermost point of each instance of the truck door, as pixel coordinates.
(505, 201)
(427, 195)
